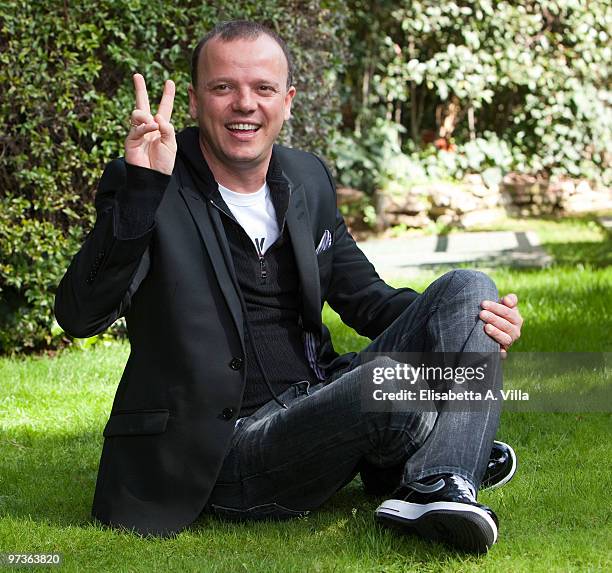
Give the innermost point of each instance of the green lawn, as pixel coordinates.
(554, 516)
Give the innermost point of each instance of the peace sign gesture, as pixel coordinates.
(151, 142)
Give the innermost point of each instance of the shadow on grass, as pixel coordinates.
(563, 314)
(50, 480)
(595, 254)
(549, 514)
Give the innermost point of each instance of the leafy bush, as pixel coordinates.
(365, 164)
(66, 74)
(522, 82)
(377, 160)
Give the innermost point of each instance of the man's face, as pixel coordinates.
(241, 100)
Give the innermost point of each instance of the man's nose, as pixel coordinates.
(244, 101)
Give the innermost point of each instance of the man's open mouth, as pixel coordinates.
(243, 127)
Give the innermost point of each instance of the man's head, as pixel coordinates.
(240, 30)
(240, 94)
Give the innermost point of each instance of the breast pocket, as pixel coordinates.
(324, 259)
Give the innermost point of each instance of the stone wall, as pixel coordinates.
(529, 195)
(472, 203)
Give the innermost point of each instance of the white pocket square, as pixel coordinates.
(325, 242)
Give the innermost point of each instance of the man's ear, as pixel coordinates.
(288, 99)
(193, 102)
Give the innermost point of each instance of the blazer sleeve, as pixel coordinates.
(97, 287)
(356, 292)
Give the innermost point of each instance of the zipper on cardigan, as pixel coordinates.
(223, 210)
(263, 272)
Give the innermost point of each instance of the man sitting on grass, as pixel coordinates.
(220, 249)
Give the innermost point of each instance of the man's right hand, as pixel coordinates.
(151, 142)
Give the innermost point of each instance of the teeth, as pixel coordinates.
(242, 126)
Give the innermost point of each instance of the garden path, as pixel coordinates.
(407, 256)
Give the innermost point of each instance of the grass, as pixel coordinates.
(554, 515)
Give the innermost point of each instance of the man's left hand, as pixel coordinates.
(502, 320)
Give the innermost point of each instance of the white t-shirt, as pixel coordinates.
(255, 213)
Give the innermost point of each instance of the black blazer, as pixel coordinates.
(175, 406)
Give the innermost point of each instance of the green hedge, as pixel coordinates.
(66, 74)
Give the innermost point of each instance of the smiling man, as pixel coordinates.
(241, 94)
(220, 249)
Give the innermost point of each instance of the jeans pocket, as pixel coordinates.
(258, 512)
(301, 388)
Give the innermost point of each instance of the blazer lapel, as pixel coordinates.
(208, 227)
(298, 225)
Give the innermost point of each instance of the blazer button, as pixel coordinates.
(236, 363)
(228, 413)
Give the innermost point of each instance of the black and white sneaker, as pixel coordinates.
(501, 467)
(442, 508)
(500, 470)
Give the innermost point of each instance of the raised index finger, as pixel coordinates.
(142, 98)
(167, 100)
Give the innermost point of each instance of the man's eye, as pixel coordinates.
(266, 88)
(221, 87)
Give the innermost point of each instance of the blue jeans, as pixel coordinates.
(286, 462)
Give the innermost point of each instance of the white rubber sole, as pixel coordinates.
(461, 525)
(512, 470)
